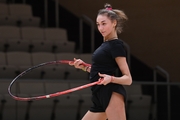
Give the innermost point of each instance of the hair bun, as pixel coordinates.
(108, 6)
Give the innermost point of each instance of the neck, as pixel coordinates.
(110, 38)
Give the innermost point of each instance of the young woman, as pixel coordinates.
(109, 96)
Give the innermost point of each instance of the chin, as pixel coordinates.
(103, 35)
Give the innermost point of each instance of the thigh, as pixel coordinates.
(116, 107)
(94, 116)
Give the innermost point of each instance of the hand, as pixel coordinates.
(105, 79)
(77, 63)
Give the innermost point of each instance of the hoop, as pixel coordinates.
(48, 95)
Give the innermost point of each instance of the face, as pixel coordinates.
(105, 26)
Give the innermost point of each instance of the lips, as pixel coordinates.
(103, 32)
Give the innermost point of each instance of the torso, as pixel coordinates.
(103, 58)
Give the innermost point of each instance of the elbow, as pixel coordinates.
(130, 81)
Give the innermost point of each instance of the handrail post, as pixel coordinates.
(46, 12)
(85, 18)
(166, 74)
(81, 35)
(155, 93)
(57, 12)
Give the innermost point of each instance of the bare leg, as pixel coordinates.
(94, 116)
(116, 107)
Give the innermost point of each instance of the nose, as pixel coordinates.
(100, 28)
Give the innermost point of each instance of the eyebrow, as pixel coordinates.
(101, 21)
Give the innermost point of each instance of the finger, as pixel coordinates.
(76, 62)
(71, 63)
(100, 81)
(101, 75)
(80, 62)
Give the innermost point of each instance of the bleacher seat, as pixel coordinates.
(5, 18)
(14, 61)
(4, 9)
(140, 107)
(30, 89)
(67, 104)
(19, 59)
(55, 72)
(56, 34)
(3, 58)
(2, 45)
(43, 109)
(87, 103)
(56, 86)
(76, 74)
(22, 109)
(17, 42)
(11, 37)
(137, 103)
(42, 46)
(20, 10)
(78, 83)
(17, 14)
(37, 109)
(7, 103)
(66, 56)
(72, 73)
(8, 20)
(42, 57)
(35, 35)
(26, 88)
(64, 46)
(60, 71)
(32, 33)
(10, 33)
(8, 72)
(86, 57)
(24, 15)
(60, 38)
(133, 89)
(4, 87)
(18, 45)
(30, 21)
(74, 104)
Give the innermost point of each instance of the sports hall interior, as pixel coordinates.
(38, 31)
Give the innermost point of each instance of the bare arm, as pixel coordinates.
(125, 79)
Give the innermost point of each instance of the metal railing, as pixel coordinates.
(56, 10)
(155, 83)
(160, 70)
(84, 18)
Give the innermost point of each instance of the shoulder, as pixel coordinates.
(117, 48)
(117, 42)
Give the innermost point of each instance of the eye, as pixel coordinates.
(103, 23)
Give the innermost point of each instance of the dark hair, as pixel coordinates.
(114, 14)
